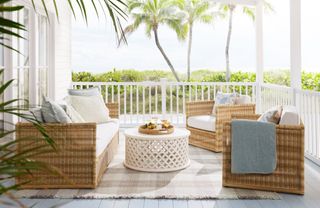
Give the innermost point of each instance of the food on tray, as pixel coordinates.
(157, 124)
(165, 124)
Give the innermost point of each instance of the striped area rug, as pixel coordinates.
(201, 180)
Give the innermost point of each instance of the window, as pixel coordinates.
(1, 82)
(30, 65)
(20, 61)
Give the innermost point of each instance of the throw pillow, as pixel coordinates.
(53, 112)
(242, 99)
(90, 108)
(223, 99)
(272, 115)
(36, 112)
(290, 116)
(73, 114)
(94, 91)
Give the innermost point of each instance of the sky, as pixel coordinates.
(94, 46)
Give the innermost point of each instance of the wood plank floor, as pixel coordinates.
(311, 199)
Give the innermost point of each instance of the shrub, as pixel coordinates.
(310, 81)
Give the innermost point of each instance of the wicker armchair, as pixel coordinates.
(76, 157)
(289, 174)
(208, 139)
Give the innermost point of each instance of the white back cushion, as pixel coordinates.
(90, 108)
(74, 115)
(290, 116)
(84, 92)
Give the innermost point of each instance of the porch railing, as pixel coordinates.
(308, 105)
(142, 100)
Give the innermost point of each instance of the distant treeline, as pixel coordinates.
(310, 80)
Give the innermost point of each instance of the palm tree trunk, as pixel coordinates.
(189, 52)
(164, 54)
(231, 9)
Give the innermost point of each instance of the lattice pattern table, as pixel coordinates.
(157, 153)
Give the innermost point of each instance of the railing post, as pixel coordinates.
(258, 97)
(163, 84)
(294, 97)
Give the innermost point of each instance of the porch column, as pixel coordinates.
(295, 43)
(259, 52)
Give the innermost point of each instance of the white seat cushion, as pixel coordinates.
(289, 116)
(105, 132)
(205, 122)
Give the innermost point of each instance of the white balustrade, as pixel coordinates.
(274, 95)
(139, 101)
(308, 105)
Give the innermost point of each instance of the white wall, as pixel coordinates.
(62, 53)
(60, 76)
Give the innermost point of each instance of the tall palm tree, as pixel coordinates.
(154, 13)
(198, 11)
(250, 12)
(228, 8)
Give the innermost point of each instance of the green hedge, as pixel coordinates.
(310, 81)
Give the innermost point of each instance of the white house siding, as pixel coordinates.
(62, 54)
(60, 76)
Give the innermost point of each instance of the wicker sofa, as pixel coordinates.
(212, 139)
(84, 152)
(289, 174)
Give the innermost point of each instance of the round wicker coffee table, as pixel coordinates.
(157, 153)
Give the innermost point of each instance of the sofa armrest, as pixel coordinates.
(290, 162)
(223, 110)
(75, 154)
(224, 113)
(64, 135)
(245, 116)
(194, 108)
(289, 139)
(113, 109)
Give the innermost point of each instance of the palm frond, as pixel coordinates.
(148, 30)
(72, 8)
(206, 18)
(250, 12)
(268, 6)
(115, 9)
(181, 30)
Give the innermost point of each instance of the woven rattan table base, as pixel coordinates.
(157, 153)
